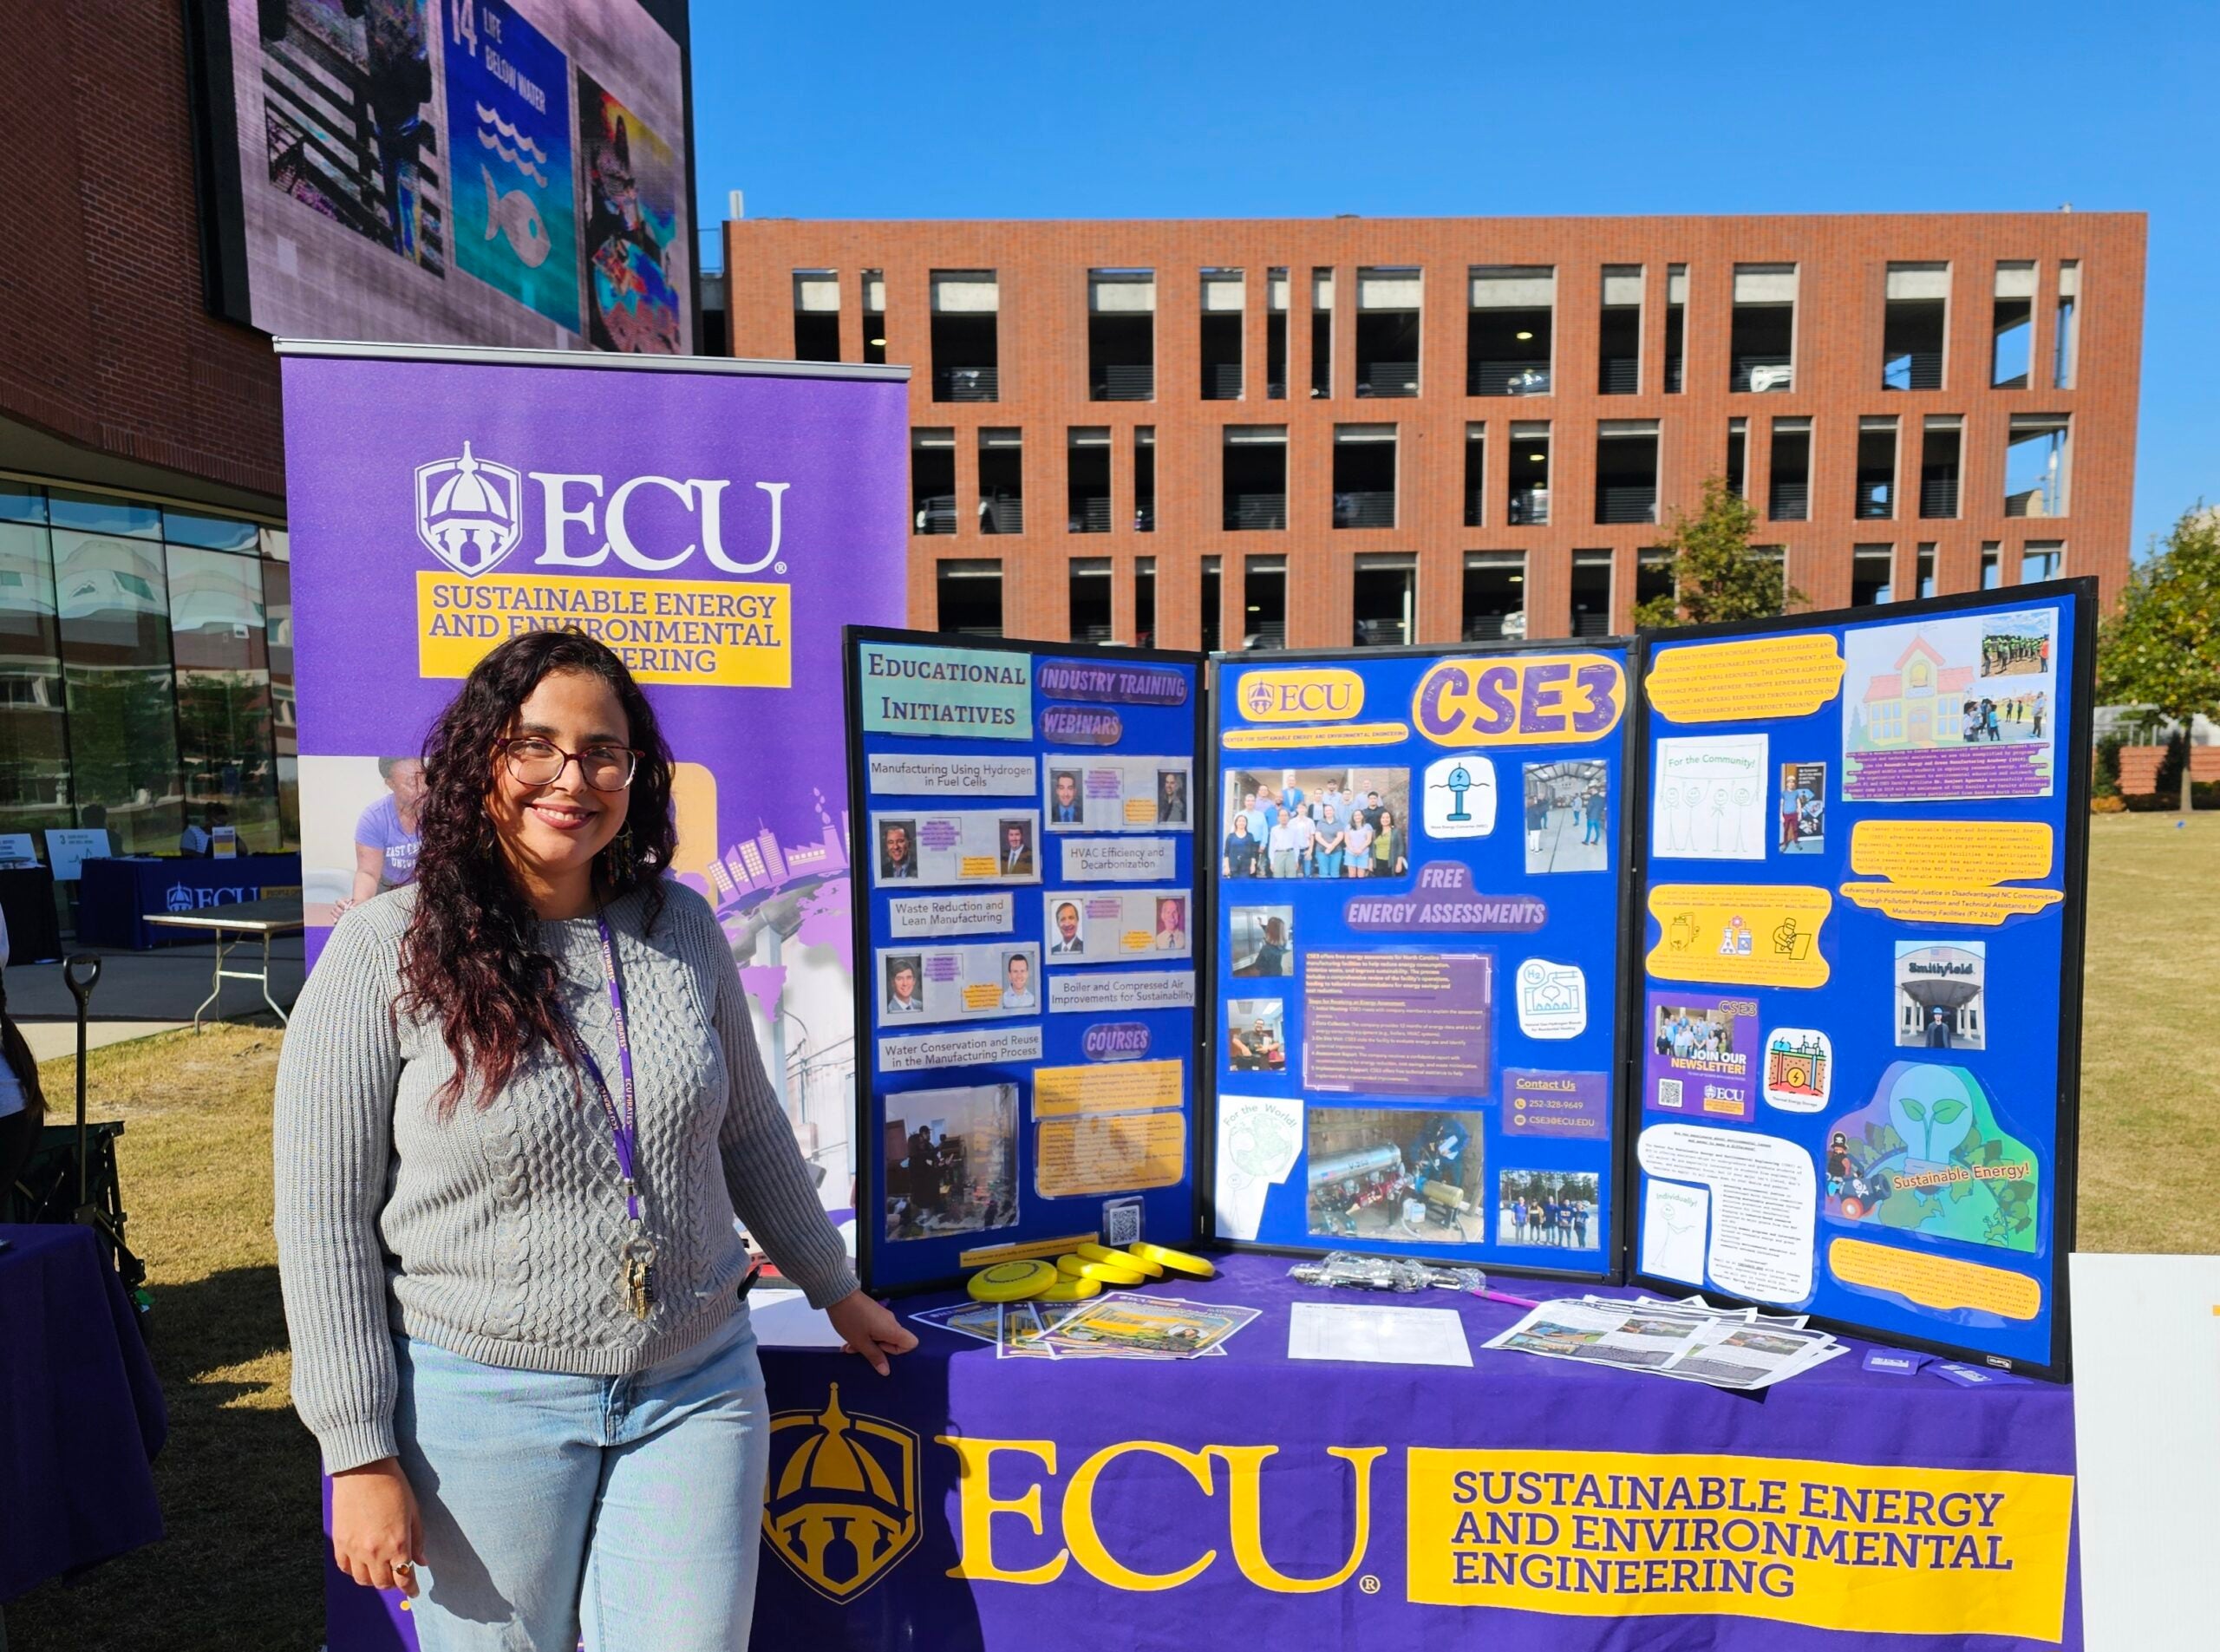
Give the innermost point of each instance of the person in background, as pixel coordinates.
(1262, 815)
(1387, 859)
(193, 840)
(1282, 845)
(1306, 839)
(518, 1110)
(387, 836)
(1357, 846)
(1329, 845)
(1239, 859)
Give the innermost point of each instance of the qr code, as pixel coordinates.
(1122, 1221)
(1669, 1093)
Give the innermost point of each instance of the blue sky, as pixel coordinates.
(1298, 109)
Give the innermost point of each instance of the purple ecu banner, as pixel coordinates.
(715, 522)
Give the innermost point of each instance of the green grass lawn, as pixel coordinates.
(240, 1570)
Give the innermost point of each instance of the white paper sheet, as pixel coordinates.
(786, 1320)
(1258, 1139)
(1377, 1335)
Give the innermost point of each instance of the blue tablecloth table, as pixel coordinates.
(81, 1411)
(114, 896)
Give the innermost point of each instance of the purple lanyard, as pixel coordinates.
(624, 1123)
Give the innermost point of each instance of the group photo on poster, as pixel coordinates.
(1315, 822)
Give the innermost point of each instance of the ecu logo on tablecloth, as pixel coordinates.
(842, 1503)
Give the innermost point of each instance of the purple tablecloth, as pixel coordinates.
(81, 1411)
(1220, 1504)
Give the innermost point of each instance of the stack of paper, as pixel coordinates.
(1117, 1325)
(1728, 1347)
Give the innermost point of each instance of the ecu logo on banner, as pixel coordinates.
(842, 1504)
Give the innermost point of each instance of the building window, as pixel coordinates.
(1591, 593)
(1364, 476)
(817, 316)
(1209, 606)
(1263, 594)
(1223, 298)
(1762, 347)
(1144, 601)
(1276, 297)
(112, 594)
(1626, 470)
(1914, 321)
(1653, 575)
(1387, 307)
(1144, 480)
(1087, 585)
(2066, 341)
(219, 638)
(2042, 559)
(1322, 334)
(1877, 469)
(2012, 326)
(874, 286)
(1122, 335)
(1495, 596)
(1476, 474)
(967, 359)
(1940, 439)
(1676, 327)
(968, 598)
(932, 481)
(1927, 570)
(1992, 566)
(1001, 481)
(1253, 471)
(1087, 486)
(285, 722)
(1510, 330)
(2037, 457)
(1871, 567)
(1618, 350)
(1528, 469)
(1385, 593)
(1738, 458)
(34, 781)
(1789, 498)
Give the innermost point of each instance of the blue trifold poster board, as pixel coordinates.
(1417, 953)
(1026, 931)
(1741, 959)
(1859, 866)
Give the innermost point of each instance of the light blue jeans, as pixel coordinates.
(628, 1506)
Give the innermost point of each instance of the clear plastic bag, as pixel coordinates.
(1346, 1270)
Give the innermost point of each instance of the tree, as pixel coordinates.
(2161, 648)
(1716, 574)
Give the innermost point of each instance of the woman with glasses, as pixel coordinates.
(519, 1108)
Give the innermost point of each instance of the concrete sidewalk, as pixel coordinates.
(143, 993)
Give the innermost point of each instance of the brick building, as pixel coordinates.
(1312, 432)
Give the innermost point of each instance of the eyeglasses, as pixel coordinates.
(534, 762)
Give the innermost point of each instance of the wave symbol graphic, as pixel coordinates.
(488, 140)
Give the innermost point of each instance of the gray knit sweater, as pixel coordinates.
(496, 1233)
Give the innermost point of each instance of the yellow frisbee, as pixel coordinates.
(1108, 1273)
(1173, 1261)
(1120, 1260)
(1071, 1290)
(1010, 1281)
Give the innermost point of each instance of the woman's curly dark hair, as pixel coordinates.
(471, 961)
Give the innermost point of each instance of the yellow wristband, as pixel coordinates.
(1108, 1273)
(1173, 1261)
(1124, 1259)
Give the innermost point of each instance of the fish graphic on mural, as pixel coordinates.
(516, 216)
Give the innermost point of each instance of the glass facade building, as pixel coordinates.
(146, 670)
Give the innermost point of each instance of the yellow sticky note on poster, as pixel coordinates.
(1757, 676)
(1739, 935)
(1107, 1087)
(1949, 872)
(1140, 811)
(1951, 854)
(1936, 1282)
(1118, 1153)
